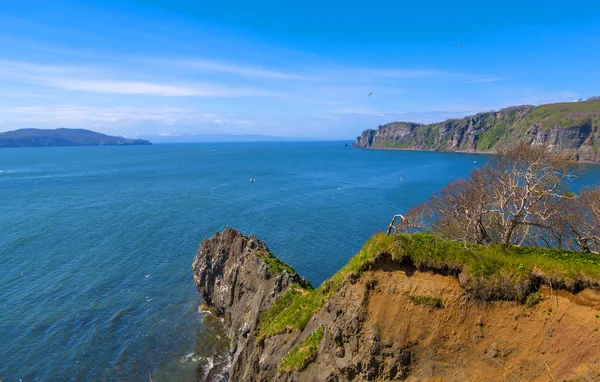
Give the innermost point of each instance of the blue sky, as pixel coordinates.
(301, 69)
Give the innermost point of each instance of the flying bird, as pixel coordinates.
(370, 94)
(459, 45)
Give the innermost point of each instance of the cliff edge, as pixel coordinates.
(238, 278)
(392, 314)
(570, 128)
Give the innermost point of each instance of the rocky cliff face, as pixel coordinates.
(569, 128)
(373, 328)
(233, 275)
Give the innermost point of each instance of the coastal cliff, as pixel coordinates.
(238, 279)
(394, 313)
(571, 128)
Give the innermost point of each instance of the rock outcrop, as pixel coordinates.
(571, 128)
(374, 328)
(237, 284)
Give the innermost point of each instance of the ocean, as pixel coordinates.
(96, 243)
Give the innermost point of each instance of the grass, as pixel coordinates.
(433, 302)
(492, 272)
(533, 299)
(493, 128)
(488, 138)
(486, 273)
(276, 266)
(293, 311)
(302, 354)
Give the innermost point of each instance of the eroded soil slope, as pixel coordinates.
(391, 321)
(386, 335)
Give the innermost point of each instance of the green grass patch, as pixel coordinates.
(276, 266)
(488, 138)
(493, 272)
(433, 302)
(487, 273)
(293, 311)
(533, 299)
(302, 354)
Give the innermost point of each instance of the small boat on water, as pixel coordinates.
(251, 180)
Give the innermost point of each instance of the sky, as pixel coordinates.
(291, 69)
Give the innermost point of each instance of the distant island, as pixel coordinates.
(63, 137)
(571, 128)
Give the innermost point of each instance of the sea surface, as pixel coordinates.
(96, 243)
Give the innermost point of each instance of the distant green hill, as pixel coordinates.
(63, 137)
(571, 128)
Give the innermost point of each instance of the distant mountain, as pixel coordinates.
(571, 128)
(63, 137)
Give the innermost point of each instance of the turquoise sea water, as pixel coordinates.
(96, 243)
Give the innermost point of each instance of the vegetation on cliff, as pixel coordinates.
(294, 309)
(520, 197)
(303, 353)
(475, 229)
(355, 325)
(486, 272)
(571, 128)
(275, 265)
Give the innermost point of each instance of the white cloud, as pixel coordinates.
(236, 69)
(153, 89)
(482, 79)
(100, 81)
(322, 72)
(398, 73)
(76, 114)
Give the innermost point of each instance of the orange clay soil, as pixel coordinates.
(554, 340)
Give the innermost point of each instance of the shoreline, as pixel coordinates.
(453, 152)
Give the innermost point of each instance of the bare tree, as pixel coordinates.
(583, 220)
(418, 218)
(463, 210)
(517, 198)
(526, 184)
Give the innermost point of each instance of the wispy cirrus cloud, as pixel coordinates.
(482, 79)
(237, 69)
(322, 72)
(152, 89)
(74, 114)
(101, 80)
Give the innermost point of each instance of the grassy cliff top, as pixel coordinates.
(487, 273)
(548, 115)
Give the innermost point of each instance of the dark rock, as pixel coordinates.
(339, 341)
(237, 285)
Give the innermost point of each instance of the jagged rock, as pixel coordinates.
(237, 285)
(372, 332)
